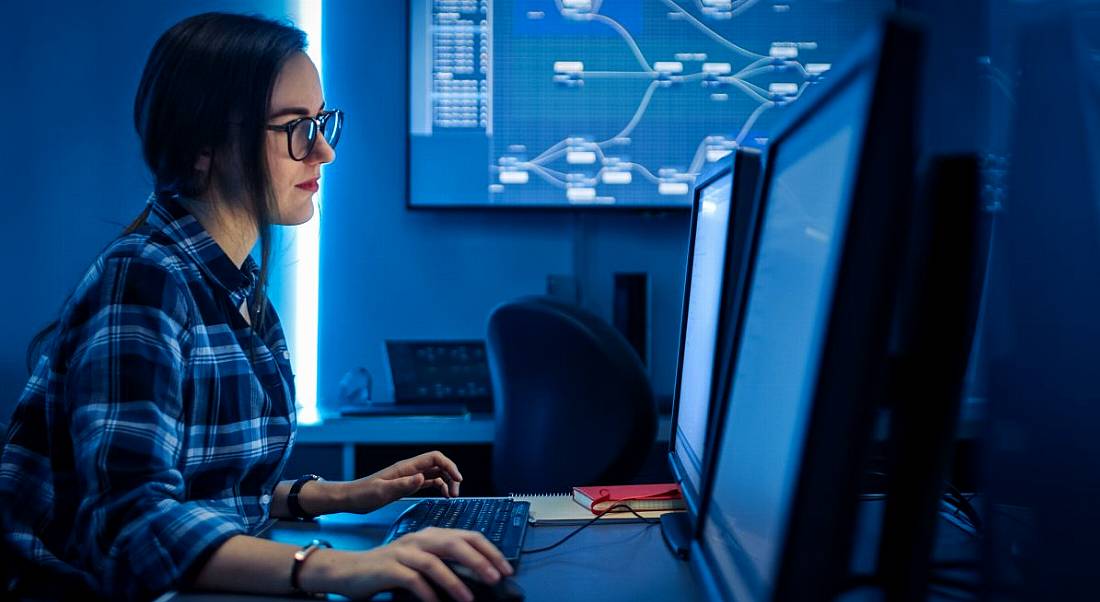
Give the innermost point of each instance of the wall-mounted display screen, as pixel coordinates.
(622, 103)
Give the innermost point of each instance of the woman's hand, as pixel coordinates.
(429, 470)
(410, 563)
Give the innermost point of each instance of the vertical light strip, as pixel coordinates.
(305, 254)
(489, 71)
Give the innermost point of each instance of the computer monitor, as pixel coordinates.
(934, 322)
(801, 396)
(434, 372)
(723, 213)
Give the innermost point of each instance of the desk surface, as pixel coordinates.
(603, 562)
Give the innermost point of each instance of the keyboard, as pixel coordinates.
(501, 520)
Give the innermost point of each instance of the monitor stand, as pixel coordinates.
(676, 529)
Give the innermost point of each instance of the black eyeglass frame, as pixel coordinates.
(319, 122)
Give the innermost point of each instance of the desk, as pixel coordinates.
(603, 562)
(430, 430)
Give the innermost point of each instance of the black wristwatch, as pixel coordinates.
(292, 503)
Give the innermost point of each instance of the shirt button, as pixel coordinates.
(265, 499)
(286, 355)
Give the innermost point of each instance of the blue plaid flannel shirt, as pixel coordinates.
(156, 424)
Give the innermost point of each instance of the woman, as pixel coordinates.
(148, 442)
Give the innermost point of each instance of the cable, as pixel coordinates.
(960, 501)
(650, 521)
(958, 506)
(957, 509)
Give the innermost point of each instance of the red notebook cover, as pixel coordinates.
(657, 496)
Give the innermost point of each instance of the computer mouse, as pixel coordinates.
(504, 590)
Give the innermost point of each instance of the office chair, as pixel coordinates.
(572, 400)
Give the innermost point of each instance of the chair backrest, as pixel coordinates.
(573, 403)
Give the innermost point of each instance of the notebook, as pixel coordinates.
(655, 496)
(561, 509)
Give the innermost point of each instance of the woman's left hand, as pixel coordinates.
(428, 470)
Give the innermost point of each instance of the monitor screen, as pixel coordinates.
(700, 328)
(604, 103)
(776, 368)
(431, 372)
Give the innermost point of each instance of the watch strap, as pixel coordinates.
(292, 502)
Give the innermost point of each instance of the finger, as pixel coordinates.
(436, 483)
(452, 544)
(404, 468)
(431, 566)
(405, 485)
(453, 486)
(432, 472)
(410, 579)
(436, 458)
(490, 551)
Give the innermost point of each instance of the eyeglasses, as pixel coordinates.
(301, 134)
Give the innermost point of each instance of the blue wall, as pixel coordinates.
(75, 178)
(392, 273)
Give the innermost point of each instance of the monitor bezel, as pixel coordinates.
(713, 174)
(745, 165)
(823, 505)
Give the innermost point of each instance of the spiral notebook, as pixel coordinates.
(560, 509)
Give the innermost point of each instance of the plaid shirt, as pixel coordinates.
(156, 425)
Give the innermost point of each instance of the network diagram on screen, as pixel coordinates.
(620, 103)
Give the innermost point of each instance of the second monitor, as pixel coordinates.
(724, 211)
(800, 400)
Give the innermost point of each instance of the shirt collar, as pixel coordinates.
(171, 219)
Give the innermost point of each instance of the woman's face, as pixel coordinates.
(297, 93)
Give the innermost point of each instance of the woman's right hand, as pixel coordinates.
(409, 563)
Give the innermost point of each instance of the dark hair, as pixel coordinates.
(206, 87)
